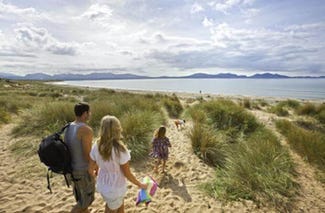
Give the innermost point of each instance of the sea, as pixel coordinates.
(301, 88)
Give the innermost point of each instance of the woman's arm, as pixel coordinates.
(128, 174)
(93, 168)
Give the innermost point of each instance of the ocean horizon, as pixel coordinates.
(310, 89)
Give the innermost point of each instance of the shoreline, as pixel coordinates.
(188, 95)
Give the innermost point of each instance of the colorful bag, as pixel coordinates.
(145, 195)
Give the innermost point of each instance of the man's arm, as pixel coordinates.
(93, 168)
(86, 137)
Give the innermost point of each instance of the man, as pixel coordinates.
(79, 138)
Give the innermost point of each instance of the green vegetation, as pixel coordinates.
(309, 144)
(290, 103)
(247, 103)
(43, 109)
(173, 106)
(282, 108)
(4, 116)
(250, 162)
(313, 110)
(44, 119)
(262, 102)
(279, 110)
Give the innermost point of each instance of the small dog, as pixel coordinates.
(179, 123)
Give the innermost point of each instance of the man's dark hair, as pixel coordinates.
(80, 108)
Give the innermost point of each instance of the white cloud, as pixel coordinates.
(306, 27)
(8, 11)
(248, 2)
(97, 12)
(258, 49)
(196, 8)
(102, 15)
(160, 36)
(225, 5)
(250, 12)
(207, 22)
(33, 39)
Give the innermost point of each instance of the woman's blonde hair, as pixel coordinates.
(160, 132)
(110, 134)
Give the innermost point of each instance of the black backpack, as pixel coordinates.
(55, 154)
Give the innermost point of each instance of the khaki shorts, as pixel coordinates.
(83, 188)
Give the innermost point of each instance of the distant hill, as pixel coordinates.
(91, 76)
(221, 75)
(108, 75)
(268, 75)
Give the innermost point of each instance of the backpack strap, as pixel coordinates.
(63, 128)
(66, 180)
(48, 180)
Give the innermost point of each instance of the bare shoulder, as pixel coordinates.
(86, 129)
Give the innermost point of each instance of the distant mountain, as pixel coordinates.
(91, 76)
(38, 76)
(268, 75)
(220, 75)
(96, 76)
(108, 75)
(9, 75)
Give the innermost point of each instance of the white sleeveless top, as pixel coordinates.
(111, 181)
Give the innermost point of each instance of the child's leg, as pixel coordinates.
(164, 164)
(156, 165)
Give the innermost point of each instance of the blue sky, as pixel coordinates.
(167, 37)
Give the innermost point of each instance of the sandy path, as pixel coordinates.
(312, 193)
(24, 190)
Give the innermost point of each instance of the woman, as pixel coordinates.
(110, 160)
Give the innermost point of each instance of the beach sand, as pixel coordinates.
(23, 181)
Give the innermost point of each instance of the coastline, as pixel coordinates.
(189, 95)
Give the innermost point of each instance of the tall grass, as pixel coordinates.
(4, 116)
(307, 109)
(279, 110)
(314, 110)
(250, 162)
(247, 103)
(223, 114)
(309, 144)
(282, 108)
(208, 145)
(294, 104)
(140, 115)
(173, 106)
(138, 127)
(258, 169)
(44, 119)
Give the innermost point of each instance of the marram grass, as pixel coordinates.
(250, 162)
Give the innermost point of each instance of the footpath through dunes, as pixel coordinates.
(178, 187)
(311, 196)
(23, 182)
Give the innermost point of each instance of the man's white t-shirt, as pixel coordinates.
(111, 181)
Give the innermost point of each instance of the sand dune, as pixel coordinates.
(23, 182)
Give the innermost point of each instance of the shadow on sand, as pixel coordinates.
(178, 186)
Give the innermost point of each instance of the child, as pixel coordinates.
(160, 145)
(112, 157)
